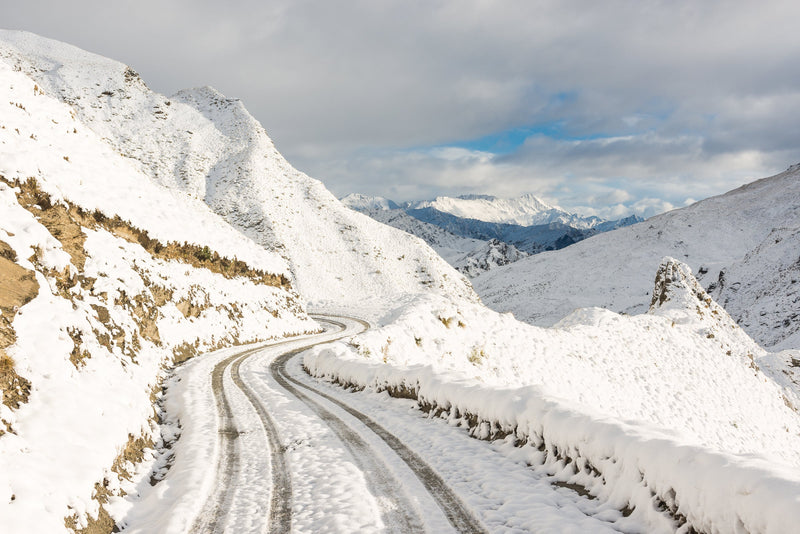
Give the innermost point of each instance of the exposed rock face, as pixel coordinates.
(488, 256)
(679, 296)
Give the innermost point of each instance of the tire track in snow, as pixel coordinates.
(459, 516)
(218, 502)
(399, 515)
(227, 461)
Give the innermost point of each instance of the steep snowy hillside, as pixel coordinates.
(107, 280)
(742, 245)
(210, 147)
(665, 414)
(526, 210)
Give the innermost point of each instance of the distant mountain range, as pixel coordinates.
(743, 247)
(476, 233)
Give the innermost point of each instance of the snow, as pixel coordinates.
(75, 163)
(673, 393)
(80, 416)
(365, 203)
(526, 210)
(210, 148)
(730, 233)
(330, 493)
(674, 405)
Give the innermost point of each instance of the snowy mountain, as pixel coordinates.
(364, 203)
(529, 239)
(526, 210)
(469, 256)
(209, 147)
(137, 231)
(460, 235)
(742, 245)
(107, 279)
(449, 246)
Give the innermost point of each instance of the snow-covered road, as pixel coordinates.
(238, 501)
(293, 453)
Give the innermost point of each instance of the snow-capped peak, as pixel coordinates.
(525, 210)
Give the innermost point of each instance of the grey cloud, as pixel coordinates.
(699, 94)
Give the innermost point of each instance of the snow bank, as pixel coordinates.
(663, 411)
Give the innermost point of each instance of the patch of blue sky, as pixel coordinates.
(508, 141)
(652, 115)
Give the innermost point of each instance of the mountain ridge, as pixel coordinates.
(463, 234)
(209, 147)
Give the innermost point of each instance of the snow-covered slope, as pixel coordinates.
(762, 290)
(526, 210)
(664, 413)
(747, 234)
(106, 280)
(210, 147)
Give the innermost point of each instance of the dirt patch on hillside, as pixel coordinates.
(18, 286)
(132, 453)
(64, 220)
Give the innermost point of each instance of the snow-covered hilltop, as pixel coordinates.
(211, 148)
(742, 245)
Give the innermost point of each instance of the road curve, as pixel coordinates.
(403, 516)
(459, 516)
(218, 502)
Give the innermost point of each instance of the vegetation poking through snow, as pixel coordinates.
(65, 220)
(18, 286)
(122, 306)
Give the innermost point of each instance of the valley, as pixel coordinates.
(195, 336)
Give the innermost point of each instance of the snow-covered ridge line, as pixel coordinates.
(200, 148)
(628, 465)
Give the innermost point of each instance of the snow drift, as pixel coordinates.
(664, 413)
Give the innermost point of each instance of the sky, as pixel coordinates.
(604, 108)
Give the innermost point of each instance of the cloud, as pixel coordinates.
(659, 99)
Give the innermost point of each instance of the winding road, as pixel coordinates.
(254, 490)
